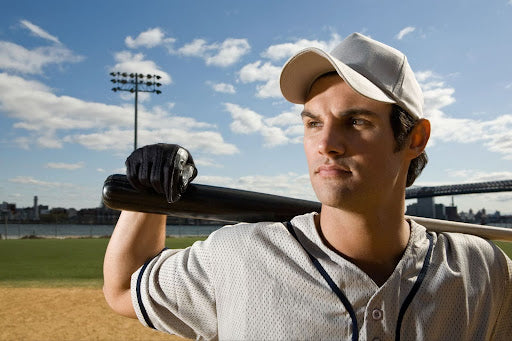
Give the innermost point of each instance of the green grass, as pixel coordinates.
(59, 262)
(70, 262)
(506, 247)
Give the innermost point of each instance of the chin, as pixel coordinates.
(341, 196)
(331, 197)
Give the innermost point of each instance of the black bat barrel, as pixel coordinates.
(206, 202)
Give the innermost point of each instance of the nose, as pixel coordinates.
(331, 142)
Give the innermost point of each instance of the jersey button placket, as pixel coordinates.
(377, 314)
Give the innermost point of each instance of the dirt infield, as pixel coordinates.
(66, 314)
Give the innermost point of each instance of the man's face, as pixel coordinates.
(349, 146)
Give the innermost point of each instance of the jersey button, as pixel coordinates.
(377, 314)
(376, 339)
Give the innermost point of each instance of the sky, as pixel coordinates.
(63, 131)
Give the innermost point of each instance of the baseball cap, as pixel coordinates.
(369, 67)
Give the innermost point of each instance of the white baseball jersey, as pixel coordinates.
(259, 282)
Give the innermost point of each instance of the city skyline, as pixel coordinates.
(452, 202)
(63, 130)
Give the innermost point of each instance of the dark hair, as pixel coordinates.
(402, 124)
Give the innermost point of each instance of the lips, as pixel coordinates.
(329, 170)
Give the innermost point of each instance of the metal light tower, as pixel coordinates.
(135, 83)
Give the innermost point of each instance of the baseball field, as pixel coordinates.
(50, 289)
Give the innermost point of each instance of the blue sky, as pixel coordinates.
(63, 131)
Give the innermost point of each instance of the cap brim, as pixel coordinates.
(305, 67)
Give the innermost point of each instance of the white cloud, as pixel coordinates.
(129, 62)
(28, 180)
(495, 134)
(50, 121)
(222, 87)
(267, 73)
(473, 175)
(67, 166)
(207, 162)
(227, 53)
(197, 48)
(48, 140)
(38, 31)
(286, 118)
(230, 52)
(288, 184)
(258, 72)
(16, 58)
(203, 142)
(245, 121)
(405, 31)
(275, 131)
(286, 50)
(150, 38)
(274, 136)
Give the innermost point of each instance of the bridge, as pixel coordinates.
(469, 188)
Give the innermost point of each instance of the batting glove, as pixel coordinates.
(166, 168)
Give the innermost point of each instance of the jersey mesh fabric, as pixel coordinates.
(255, 281)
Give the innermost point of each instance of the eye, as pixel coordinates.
(312, 124)
(357, 121)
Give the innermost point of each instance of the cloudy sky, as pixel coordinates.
(63, 131)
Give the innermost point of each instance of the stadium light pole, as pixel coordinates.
(135, 83)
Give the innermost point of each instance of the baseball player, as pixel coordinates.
(356, 270)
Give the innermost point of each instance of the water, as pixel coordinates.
(15, 231)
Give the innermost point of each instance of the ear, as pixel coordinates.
(418, 138)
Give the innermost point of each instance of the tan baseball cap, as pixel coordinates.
(371, 68)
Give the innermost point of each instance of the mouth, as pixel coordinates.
(332, 170)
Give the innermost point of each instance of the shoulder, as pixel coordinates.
(241, 232)
(468, 246)
(251, 239)
(472, 255)
(264, 230)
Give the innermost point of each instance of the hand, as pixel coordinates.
(166, 168)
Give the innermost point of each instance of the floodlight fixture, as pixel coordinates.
(135, 83)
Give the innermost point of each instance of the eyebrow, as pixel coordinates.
(349, 112)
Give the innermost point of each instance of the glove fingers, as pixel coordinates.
(132, 170)
(157, 172)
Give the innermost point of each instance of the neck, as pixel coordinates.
(374, 242)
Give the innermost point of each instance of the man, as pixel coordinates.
(357, 270)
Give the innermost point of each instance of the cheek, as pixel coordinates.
(309, 147)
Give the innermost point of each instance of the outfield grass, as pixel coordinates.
(59, 262)
(70, 262)
(506, 247)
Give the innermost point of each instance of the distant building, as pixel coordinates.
(427, 208)
(36, 209)
(424, 207)
(451, 213)
(439, 211)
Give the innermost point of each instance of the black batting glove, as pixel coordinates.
(166, 168)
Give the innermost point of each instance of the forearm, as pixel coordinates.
(137, 237)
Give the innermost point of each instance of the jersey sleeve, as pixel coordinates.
(173, 293)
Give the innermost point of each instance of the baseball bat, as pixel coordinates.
(233, 205)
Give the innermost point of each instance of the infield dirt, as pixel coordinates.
(66, 314)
